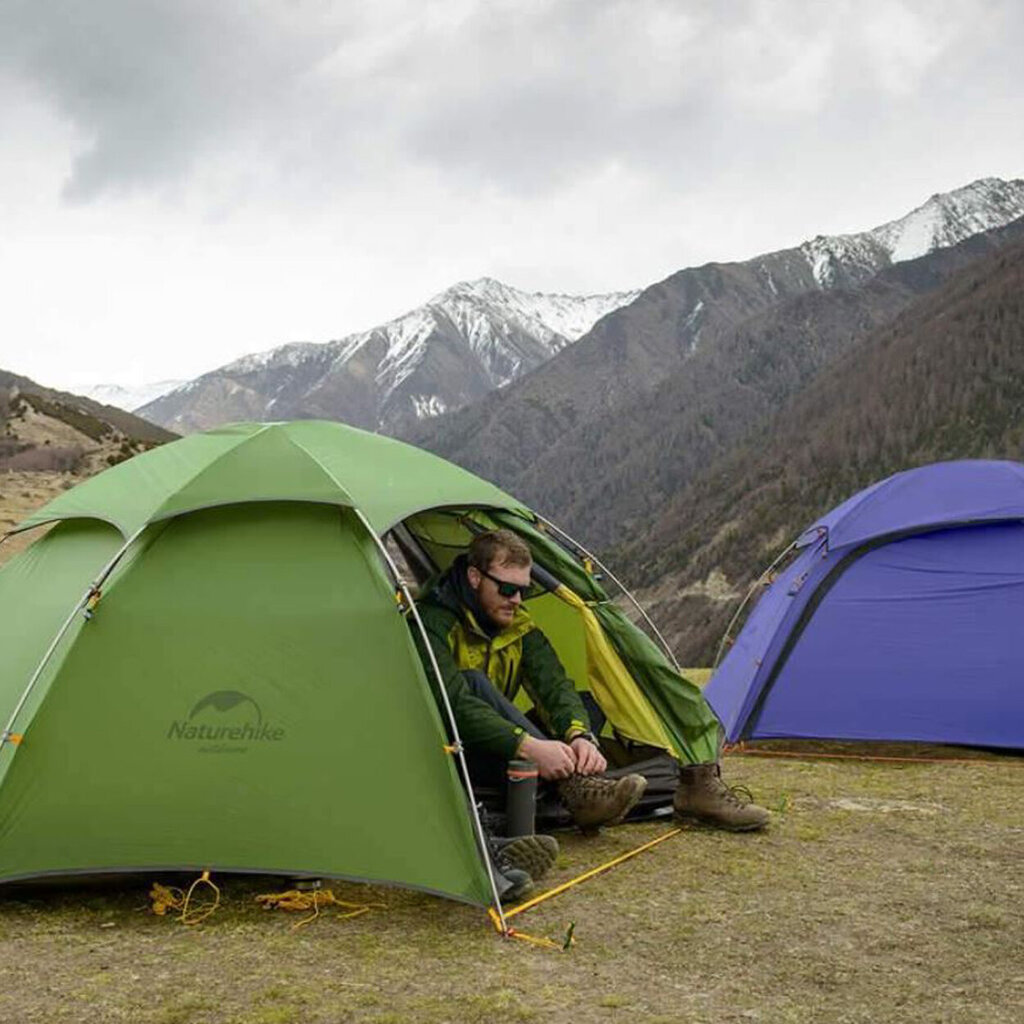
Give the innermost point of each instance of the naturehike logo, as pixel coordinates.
(226, 722)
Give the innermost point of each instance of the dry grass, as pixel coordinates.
(883, 892)
(22, 493)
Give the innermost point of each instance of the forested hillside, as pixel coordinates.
(944, 380)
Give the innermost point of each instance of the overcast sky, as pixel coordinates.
(187, 181)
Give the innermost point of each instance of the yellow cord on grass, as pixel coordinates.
(312, 899)
(509, 932)
(169, 897)
(590, 874)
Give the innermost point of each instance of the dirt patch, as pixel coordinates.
(869, 805)
(715, 588)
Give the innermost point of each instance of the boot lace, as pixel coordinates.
(737, 796)
(588, 790)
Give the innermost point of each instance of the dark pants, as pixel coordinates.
(489, 769)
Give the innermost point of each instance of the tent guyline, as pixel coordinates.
(766, 577)
(501, 925)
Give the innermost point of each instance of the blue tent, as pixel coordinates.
(901, 617)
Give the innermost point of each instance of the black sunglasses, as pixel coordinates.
(507, 589)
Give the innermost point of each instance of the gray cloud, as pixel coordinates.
(494, 94)
(153, 86)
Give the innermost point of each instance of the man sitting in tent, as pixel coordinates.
(487, 646)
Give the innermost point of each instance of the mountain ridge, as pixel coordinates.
(549, 433)
(461, 344)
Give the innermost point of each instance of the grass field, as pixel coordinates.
(883, 892)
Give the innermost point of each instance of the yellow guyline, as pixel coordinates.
(512, 933)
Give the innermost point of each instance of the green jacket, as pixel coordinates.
(519, 656)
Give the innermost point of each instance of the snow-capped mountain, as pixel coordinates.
(718, 295)
(129, 398)
(613, 425)
(481, 335)
(463, 343)
(942, 221)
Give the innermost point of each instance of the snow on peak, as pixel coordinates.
(567, 316)
(485, 333)
(944, 220)
(509, 331)
(130, 397)
(292, 354)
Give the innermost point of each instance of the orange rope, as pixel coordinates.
(513, 933)
(168, 897)
(741, 751)
(313, 899)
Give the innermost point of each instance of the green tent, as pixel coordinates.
(207, 662)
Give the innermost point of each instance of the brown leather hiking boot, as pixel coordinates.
(703, 796)
(593, 800)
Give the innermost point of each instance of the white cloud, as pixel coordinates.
(187, 181)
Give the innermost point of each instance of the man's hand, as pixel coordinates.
(554, 760)
(589, 760)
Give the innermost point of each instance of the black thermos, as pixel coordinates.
(521, 798)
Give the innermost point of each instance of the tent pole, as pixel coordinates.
(636, 604)
(743, 604)
(459, 753)
(80, 604)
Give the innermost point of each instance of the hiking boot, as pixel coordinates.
(532, 854)
(513, 885)
(593, 800)
(703, 796)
